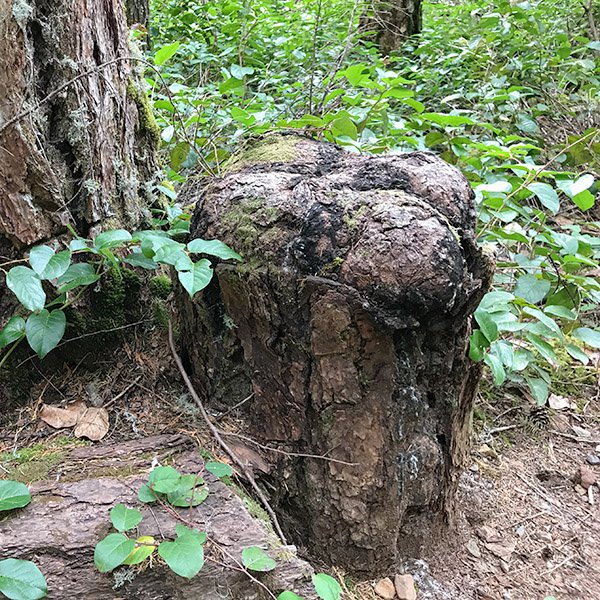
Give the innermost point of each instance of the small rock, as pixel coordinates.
(587, 477)
(580, 490)
(580, 431)
(405, 587)
(488, 534)
(474, 468)
(487, 451)
(520, 531)
(593, 459)
(473, 548)
(502, 550)
(385, 589)
(558, 402)
(504, 566)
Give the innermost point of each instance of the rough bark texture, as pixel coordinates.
(393, 21)
(138, 12)
(66, 519)
(349, 323)
(85, 156)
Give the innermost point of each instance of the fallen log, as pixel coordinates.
(68, 516)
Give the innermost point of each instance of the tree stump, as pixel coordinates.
(69, 516)
(349, 323)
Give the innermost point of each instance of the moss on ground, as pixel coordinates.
(272, 149)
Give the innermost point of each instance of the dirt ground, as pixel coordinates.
(526, 528)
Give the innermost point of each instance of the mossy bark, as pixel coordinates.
(349, 323)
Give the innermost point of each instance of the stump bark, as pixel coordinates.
(68, 516)
(349, 323)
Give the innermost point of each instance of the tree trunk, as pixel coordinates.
(83, 155)
(349, 323)
(138, 12)
(69, 515)
(394, 21)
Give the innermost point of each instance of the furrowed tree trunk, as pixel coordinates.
(394, 21)
(349, 324)
(83, 155)
(138, 12)
(77, 136)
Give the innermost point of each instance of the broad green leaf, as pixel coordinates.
(174, 255)
(539, 389)
(288, 596)
(44, 330)
(545, 319)
(47, 264)
(186, 494)
(448, 120)
(77, 275)
(577, 353)
(165, 53)
(327, 587)
(123, 518)
(487, 325)
(219, 469)
(531, 288)
(214, 248)
(544, 348)
(78, 244)
(584, 200)
(185, 555)
(112, 551)
(164, 479)
(27, 287)
(138, 259)
(588, 336)
(478, 344)
(344, 126)
(560, 311)
(14, 330)
(256, 559)
(21, 580)
(183, 530)
(240, 72)
(146, 495)
(198, 278)
(497, 368)
(13, 494)
(546, 195)
(111, 239)
(527, 125)
(144, 547)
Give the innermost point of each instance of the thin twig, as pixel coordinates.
(576, 438)
(560, 564)
(219, 439)
(229, 411)
(299, 454)
(121, 394)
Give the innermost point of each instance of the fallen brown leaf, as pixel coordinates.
(92, 424)
(56, 417)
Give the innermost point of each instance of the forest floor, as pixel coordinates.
(526, 527)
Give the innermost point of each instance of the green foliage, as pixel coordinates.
(256, 559)
(13, 495)
(326, 587)
(123, 518)
(21, 580)
(69, 273)
(219, 469)
(486, 86)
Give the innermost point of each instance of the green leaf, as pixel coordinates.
(165, 53)
(111, 239)
(164, 479)
(45, 330)
(198, 278)
(527, 124)
(219, 469)
(21, 580)
(256, 559)
(288, 596)
(75, 276)
(190, 491)
(174, 255)
(577, 353)
(138, 259)
(240, 72)
(487, 325)
(13, 330)
(327, 587)
(546, 195)
(449, 120)
(584, 200)
(344, 126)
(214, 248)
(183, 530)
(47, 264)
(144, 547)
(531, 288)
(146, 495)
(497, 368)
(478, 344)
(544, 348)
(112, 551)
(27, 287)
(123, 518)
(185, 555)
(13, 494)
(588, 336)
(539, 389)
